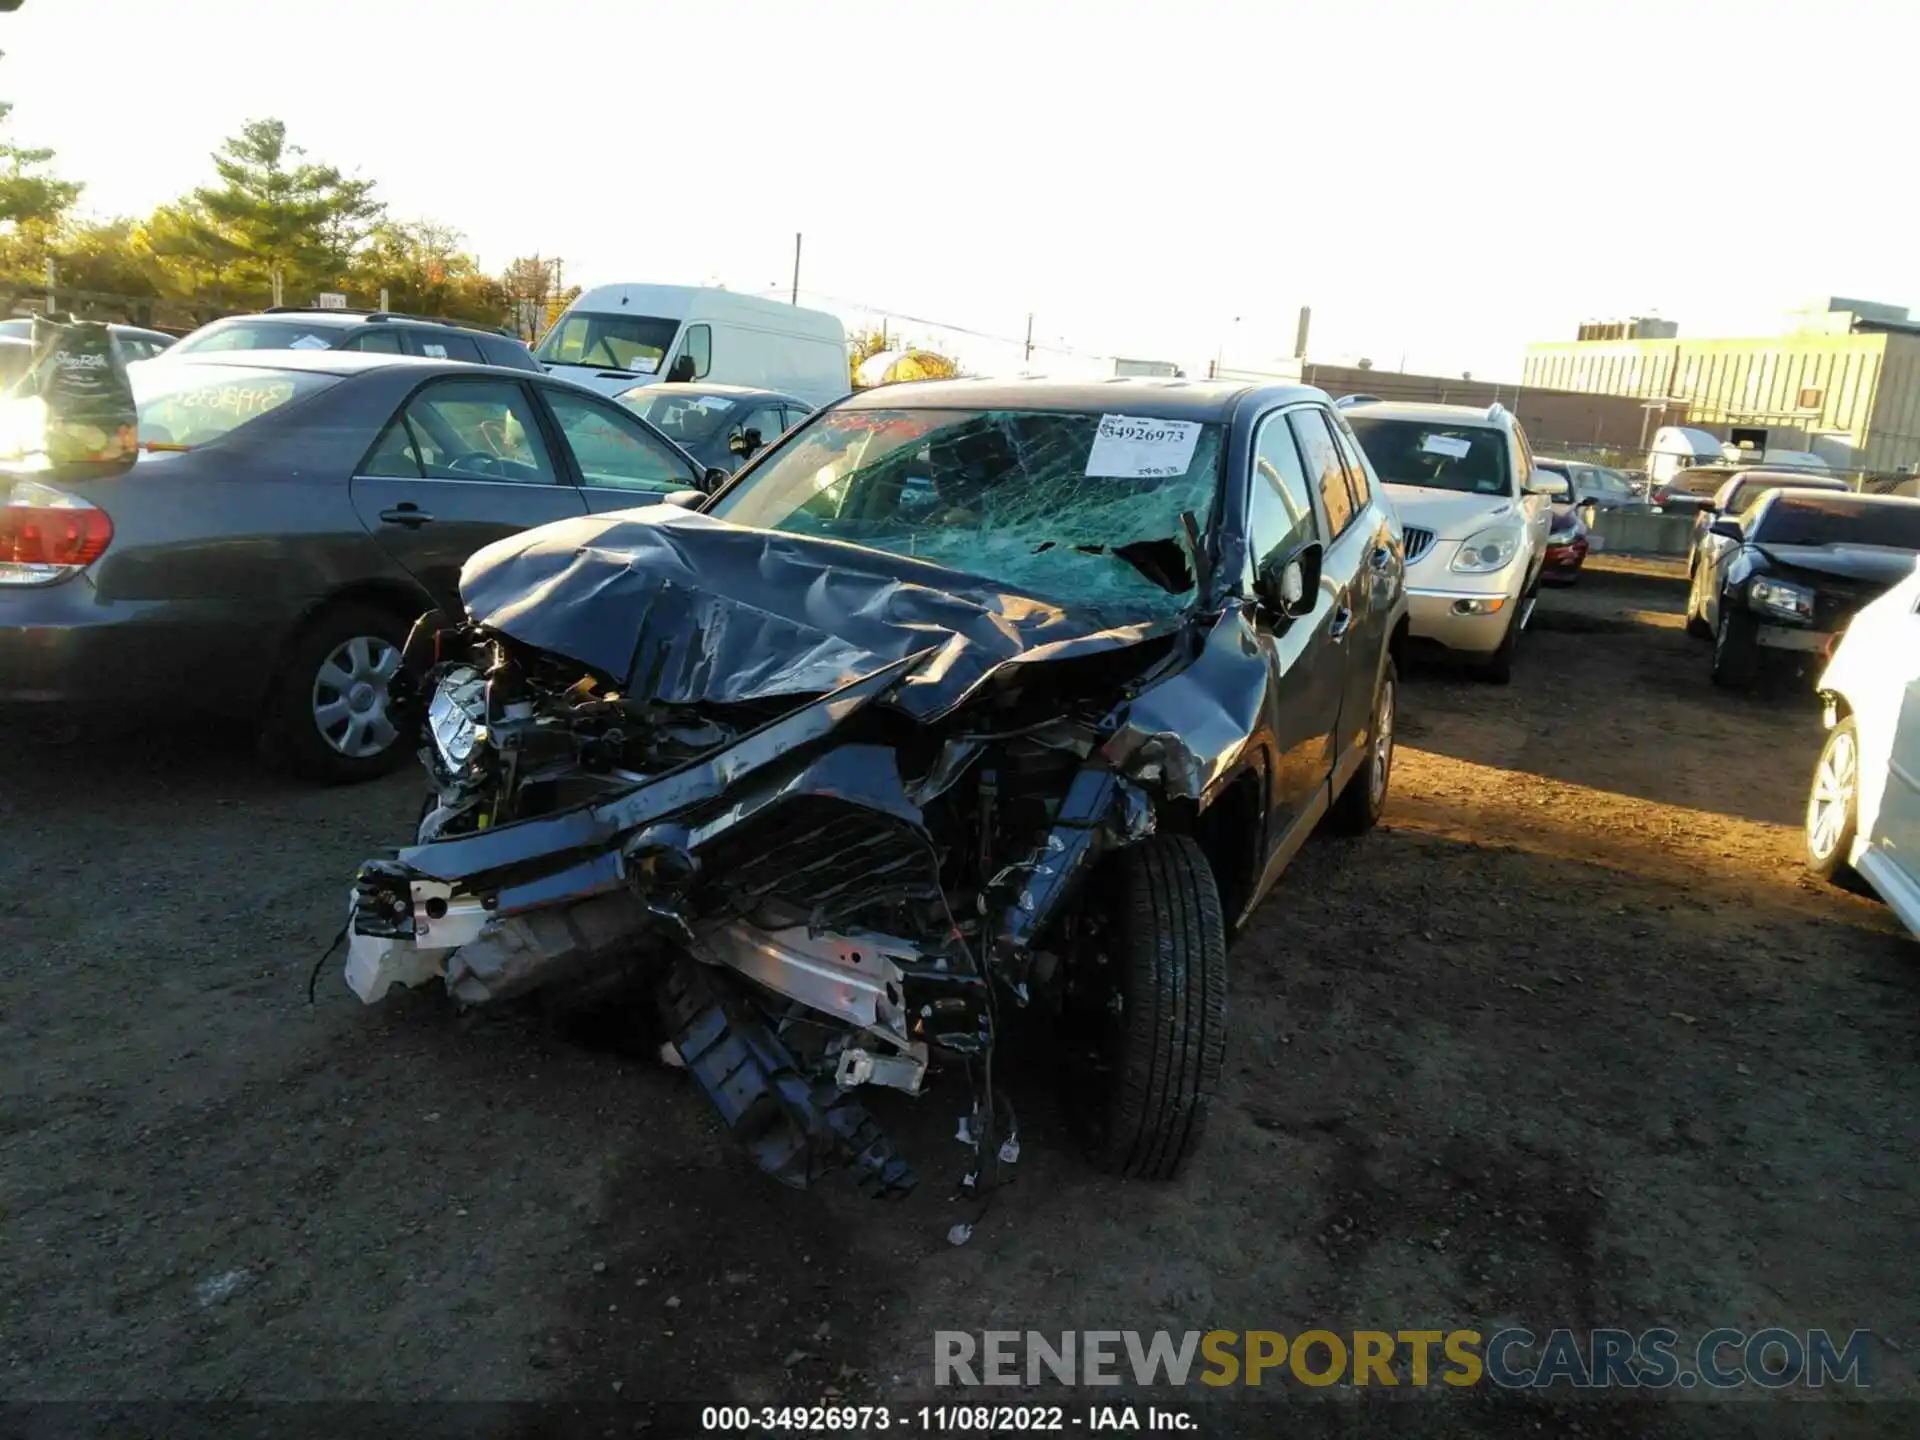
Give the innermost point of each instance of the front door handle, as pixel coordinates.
(406, 513)
(1342, 619)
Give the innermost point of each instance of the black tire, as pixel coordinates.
(1697, 626)
(292, 732)
(1497, 668)
(1736, 648)
(1159, 1045)
(1358, 807)
(1840, 754)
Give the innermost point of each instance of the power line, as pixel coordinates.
(1016, 342)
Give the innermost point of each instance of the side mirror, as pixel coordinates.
(737, 443)
(685, 499)
(1726, 530)
(716, 477)
(1288, 585)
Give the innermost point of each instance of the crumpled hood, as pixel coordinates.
(1880, 564)
(683, 608)
(1448, 513)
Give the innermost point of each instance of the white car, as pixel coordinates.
(1863, 810)
(1476, 516)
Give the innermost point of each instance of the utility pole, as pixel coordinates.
(51, 306)
(1029, 338)
(796, 267)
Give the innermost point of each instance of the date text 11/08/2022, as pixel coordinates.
(936, 1419)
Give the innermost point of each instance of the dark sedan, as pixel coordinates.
(133, 342)
(289, 515)
(1792, 576)
(1736, 497)
(723, 426)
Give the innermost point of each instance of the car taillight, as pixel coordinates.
(47, 535)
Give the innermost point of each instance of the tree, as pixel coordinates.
(424, 271)
(32, 205)
(279, 215)
(533, 293)
(915, 363)
(26, 196)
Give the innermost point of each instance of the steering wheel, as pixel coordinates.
(478, 461)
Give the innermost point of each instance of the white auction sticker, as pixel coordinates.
(307, 342)
(1451, 446)
(1126, 447)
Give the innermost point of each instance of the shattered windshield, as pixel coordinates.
(1084, 509)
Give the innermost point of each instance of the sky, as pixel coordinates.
(1441, 182)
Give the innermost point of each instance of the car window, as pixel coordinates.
(394, 454)
(1470, 458)
(260, 335)
(377, 340)
(795, 414)
(478, 430)
(498, 350)
(1081, 508)
(768, 422)
(1323, 465)
(700, 347)
(1357, 479)
(443, 345)
(1526, 449)
(182, 406)
(687, 420)
(613, 450)
(1280, 503)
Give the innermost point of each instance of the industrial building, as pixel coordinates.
(1841, 380)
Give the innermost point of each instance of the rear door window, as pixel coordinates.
(1324, 469)
(377, 340)
(473, 430)
(443, 345)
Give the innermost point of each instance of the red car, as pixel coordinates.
(1567, 546)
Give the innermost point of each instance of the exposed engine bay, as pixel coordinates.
(840, 866)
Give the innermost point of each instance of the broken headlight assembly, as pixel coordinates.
(1781, 601)
(457, 716)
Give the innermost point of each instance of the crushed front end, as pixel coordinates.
(821, 891)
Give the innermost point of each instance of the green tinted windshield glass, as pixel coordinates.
(1082, 509)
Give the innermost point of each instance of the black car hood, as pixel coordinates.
(683, 608)
(1878, 564)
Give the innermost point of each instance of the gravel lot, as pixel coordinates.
(1569, 1041)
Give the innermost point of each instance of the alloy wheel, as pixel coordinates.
(1831, 804)
(352, 701)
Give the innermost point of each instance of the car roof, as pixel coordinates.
(1416, 410)
(1163, 399)
(1890, 502)
(348, 319)
(349, 362)
(1805, 479)
(693, 388)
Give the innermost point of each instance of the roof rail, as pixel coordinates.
(1497, 411)
(1348, 400)
(378, 315)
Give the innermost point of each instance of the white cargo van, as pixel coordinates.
(615, 337)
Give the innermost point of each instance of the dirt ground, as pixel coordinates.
(1571, 1040)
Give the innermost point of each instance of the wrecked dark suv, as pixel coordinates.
(968, 704)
